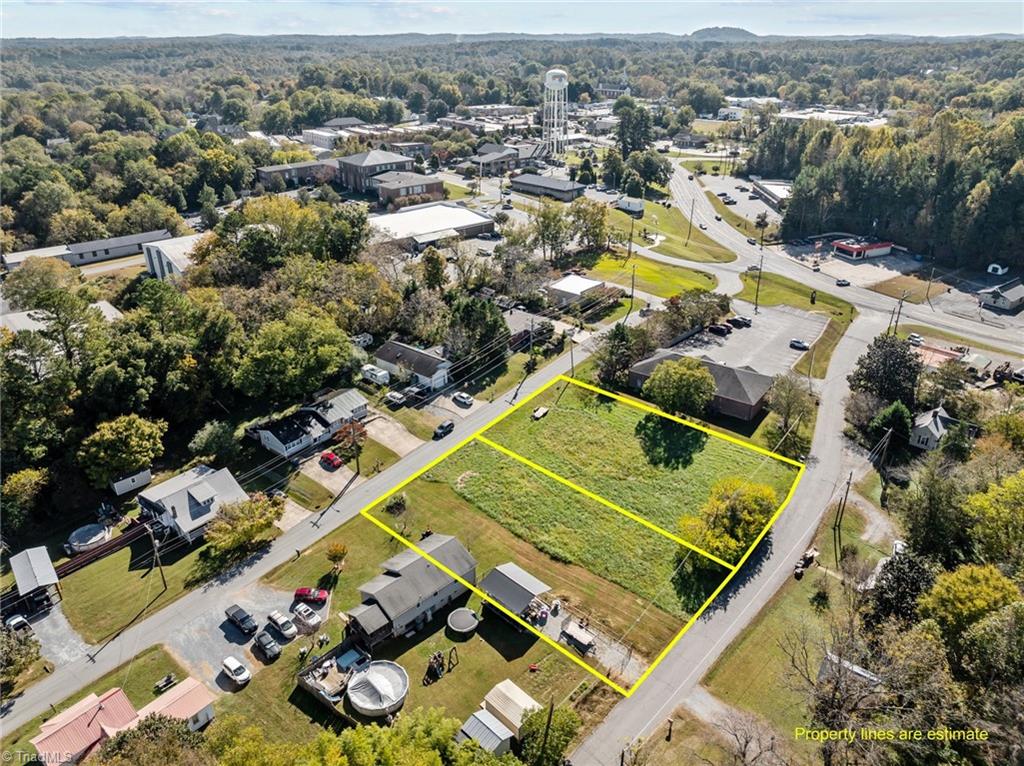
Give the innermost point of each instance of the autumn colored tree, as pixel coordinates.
(121, 446)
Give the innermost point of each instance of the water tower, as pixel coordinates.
(556, 121)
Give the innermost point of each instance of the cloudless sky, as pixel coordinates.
(173, 18)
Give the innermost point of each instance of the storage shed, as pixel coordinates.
(509, 704)
(490, 733)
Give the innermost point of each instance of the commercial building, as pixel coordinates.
(860, 248)
(426, 367)
(545, 186)
(740, 392)
(344, 122)
(732, 113)
(34, 321)
(572, 289)
(313, 424)
(396, 185)
(775, 193)
(412, 149)
(170, 257)
(842, 117)
(84, 253)
(189, 501)
(411, 590)
(418, 226)
(325, 138)
(1005, 297)
(493, 160)
(688, 140)
(299, 173)
(612, 90)
(356, 170)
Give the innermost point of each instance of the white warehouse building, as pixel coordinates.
(170, 257)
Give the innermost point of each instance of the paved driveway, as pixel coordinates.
(58, 641)
(202, 643)
(391, 433)
(765, 345)
(335, 479)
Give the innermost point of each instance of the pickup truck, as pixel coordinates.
(241, 618)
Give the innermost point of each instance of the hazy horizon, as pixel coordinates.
(70, 19)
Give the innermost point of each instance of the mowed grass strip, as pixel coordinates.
(778, 290)
(680, 239)
(658, 469)
(917, 290)
(661, 279)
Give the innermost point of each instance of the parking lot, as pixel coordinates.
(204, 642)
(764, 346)
(748, 208)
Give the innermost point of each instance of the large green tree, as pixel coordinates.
(732, 517)
(121, 446)
(681, 387)
(890, 369)
(961, 598)
(998, 522)
(544, 745)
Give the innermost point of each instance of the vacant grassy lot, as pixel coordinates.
(136, 677)
(652, 277)
(658, 469)
(918, 290)
(778, 290)
(680, 239)
(750, 674)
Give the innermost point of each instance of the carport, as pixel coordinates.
(513, 587)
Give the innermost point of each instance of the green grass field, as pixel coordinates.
(259, 470)
(652, 277)
(931, 333)
(373, 454)
(741, 223)
(136, 677)
(456, 192)
(778, 290)
(659, 469)
(681, 240)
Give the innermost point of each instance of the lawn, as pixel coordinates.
(918, 290)
(373, 454)
(611, 314)
(486, 510)
(259, 470)
(652, 277)
(659, 469)
(778, 290)
(502, 378)
(136, 677)
(419, 423)
(750, 674)
(680, 239)
(113, 592)
(456, 192)
(740, 223)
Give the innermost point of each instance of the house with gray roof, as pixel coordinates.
(397, 185)
(189, 501)
(740, 392)
(930, 427)
(427, 367)
(356, 170)
(546, 186)
(1008, 296)
(313, 424)
(411, 590)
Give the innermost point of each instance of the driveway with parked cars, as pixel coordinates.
(202, 644)
(765, 344)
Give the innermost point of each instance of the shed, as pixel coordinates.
(509, 704)
(512, 586)
(33, 570)
(490, 733)
(128, 482)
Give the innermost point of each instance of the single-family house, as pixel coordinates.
(740, 392)
(189, 501)
(402, 360)
(76, 733)
(930, 427)
(488, 732)
(1008, 296)
(509, 704)
(188, 700)
(411, 590)
(313, 424)
(356, 170)
(572, 289)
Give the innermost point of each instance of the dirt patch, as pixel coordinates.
(460, 483)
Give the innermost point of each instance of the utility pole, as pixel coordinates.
(156, 555)
(632, 291)
(572, 361)
(690, 228)
(547, 729)
(757, 290)
(928, 289)
(632, 223)
(837, 525)
(899, 310)
(888, 330)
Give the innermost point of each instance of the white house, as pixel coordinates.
(170, 257)
(572, 289)
(190, 500)
(84, 253)
(426, 367)
(929, 428)
(411, 589)
(313, 424)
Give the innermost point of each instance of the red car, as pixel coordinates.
(312, 595)
(331, 459)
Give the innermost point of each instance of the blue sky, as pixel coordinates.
(168, 18)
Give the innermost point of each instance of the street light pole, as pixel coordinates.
(757, 291)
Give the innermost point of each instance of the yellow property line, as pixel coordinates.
(365, 511)
(607, 503)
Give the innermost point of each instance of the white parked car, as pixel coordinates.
(305, 614)
(463, 399)
(915, 339)
(236, 671)
(284, 626)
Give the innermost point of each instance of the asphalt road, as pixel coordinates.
(212, 598)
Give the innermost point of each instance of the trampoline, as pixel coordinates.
(463, 620)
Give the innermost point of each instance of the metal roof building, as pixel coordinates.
(33, 569)
(512, 586)
(490, 733)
